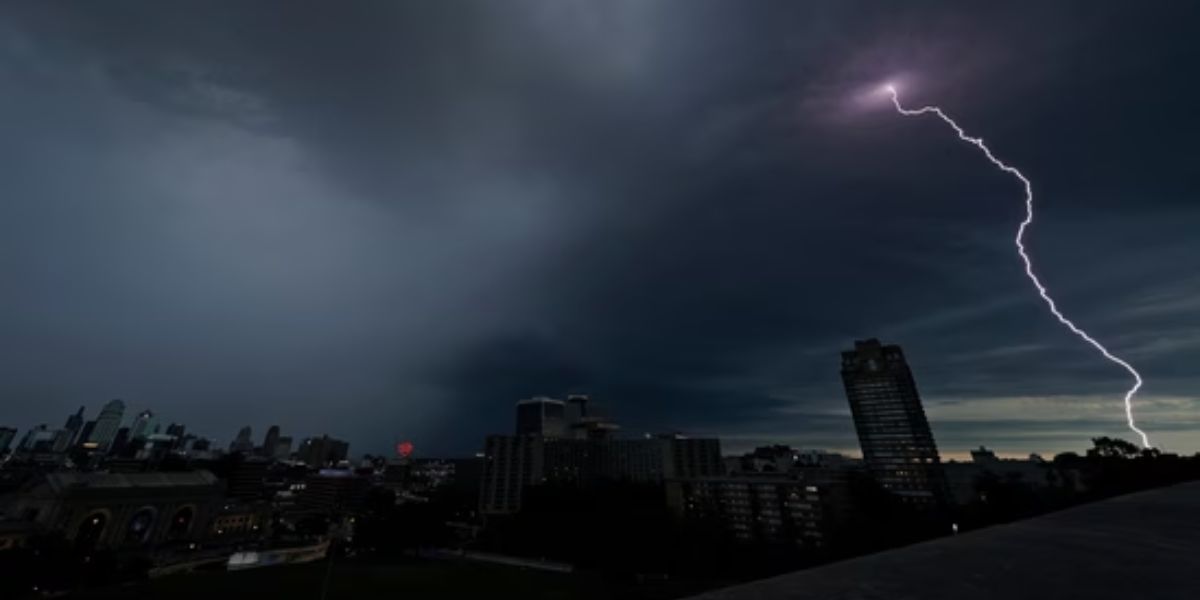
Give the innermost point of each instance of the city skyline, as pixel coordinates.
(538, 422)
(684, 213)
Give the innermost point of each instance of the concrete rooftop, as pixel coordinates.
(1140, 546)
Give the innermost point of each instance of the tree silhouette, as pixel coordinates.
(1106, 447)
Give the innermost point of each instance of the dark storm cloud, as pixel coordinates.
(385, 219)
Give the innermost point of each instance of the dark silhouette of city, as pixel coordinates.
(565, 500)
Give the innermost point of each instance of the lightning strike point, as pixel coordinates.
(1020, 243)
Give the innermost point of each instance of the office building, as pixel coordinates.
(6, 437)
(154, 447)
(243, 442)
(72, 426)
(120, 442)
(541, 416)
(62, 440)
(176, 430)
(40, 439)
(773, 509)
(692, 457)
(85, 433)
(333, 491)
(323, 451)
(198, 447)
(270, 441)
(576, 407)
(593, 428)
(897, 443)
(283, 448)
(512, 463)
(107, 424)
(571, 442)
(143, 425)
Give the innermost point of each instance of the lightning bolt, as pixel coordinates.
(1020, 241)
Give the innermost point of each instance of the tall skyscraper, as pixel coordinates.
(542, 416)
(62, 440)
(73, 425)
(121, 441)
(283, 448)
(6, 437)
(108, 423)
(270, 442)
(511, 464)
(142, 426)
(893, 432)
(243, 441)
(85, 433)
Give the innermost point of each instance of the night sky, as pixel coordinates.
(391, 220)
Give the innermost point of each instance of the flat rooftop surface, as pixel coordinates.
(1139, 546)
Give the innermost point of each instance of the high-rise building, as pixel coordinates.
(585, 422)
(270, 442)
(593, 428)
(542, 416)
(895, 437)
(39, 439)
(73, 425)
(85, 433)
(511, 463)
(331, 490)
(773, 508)
(176, 429)
(542, 451)
(6, 437)
(121, 442)
(107, 424)
(322, 451)
(142, 426)
(155, 447)
(243, 441)
(28, 438)
(577, 407)
(62, 440)
(687, 457)
(283, 447)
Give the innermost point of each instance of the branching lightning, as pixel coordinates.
(1020, 241)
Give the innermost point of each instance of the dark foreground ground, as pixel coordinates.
(1140, 546)
(410, 580)
(1144, 545)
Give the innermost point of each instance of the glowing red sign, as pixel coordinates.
(404, 449)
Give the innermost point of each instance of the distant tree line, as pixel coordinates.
(1111, 467)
